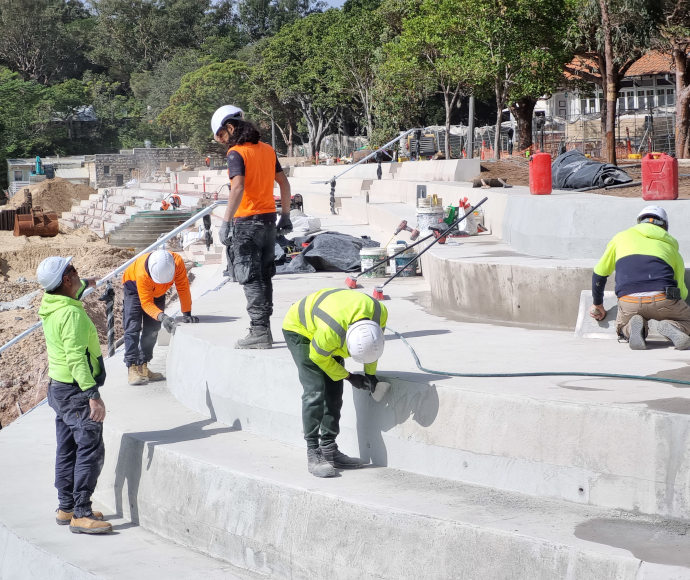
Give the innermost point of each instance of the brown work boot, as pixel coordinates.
(258, 337)
(150, 375)
(63, 518)
(89, 525)
(135, 376)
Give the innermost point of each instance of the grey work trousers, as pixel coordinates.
(677, 312)
(253, 246)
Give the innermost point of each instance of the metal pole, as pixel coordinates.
(332, 200)
(470, 129)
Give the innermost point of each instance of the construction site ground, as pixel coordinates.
(23, 368)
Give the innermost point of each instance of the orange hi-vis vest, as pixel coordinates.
(259, 176)
(148, 289)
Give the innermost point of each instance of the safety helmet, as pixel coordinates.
(656, 213)
(49, 272)
(161, 266)
(365, 341)
(223, 114)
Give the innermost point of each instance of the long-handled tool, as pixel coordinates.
(378, 291)
(351, 282)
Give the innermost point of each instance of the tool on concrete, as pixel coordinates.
(378, 291)
(36, 223)
(379, 391)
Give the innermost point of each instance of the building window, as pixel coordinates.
(106, 170)
(118, 180)
(650, 98)
(630, 101)
(18, 176)
(670, 96)
(661, 97)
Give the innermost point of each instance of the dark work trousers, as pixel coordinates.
(80, 450)
(140, 329)
(322, 398)
(253, 245)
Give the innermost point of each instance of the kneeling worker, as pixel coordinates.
(145, 283)
(650, 281)
(76, 371)
(320, 331)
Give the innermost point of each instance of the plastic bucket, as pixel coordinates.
(429, 216)
(392, 249)
(401, 263)
(368, 257)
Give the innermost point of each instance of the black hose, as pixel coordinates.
(532, 374)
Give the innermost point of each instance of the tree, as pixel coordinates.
(673, 37)
(430, 54)
(611, 35)
(357, 60)
(44, 40)
(261, 18)
(141, 33)
(297, 70)
(200, 94)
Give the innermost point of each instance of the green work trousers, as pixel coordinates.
(322, 398)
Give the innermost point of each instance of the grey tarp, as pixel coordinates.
(329, 252)
(572, 170)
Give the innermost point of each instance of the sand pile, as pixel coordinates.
(23, 369)
(56, 194)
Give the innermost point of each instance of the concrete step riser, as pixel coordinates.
(290, 532)
(454, 432)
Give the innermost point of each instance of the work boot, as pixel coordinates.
(135, 377)
(63, 518)
(679, 339)
(317, 464)
(89, 525)
(150, 375)
(636, 340)
(336, 458)
(258, 337)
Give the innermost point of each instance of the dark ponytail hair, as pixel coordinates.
(245, 132)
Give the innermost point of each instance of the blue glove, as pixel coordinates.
(284, 224)
(169, 323)
(225, 233)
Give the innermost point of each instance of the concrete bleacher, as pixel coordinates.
(518, 477)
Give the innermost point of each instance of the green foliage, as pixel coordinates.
(200, 94)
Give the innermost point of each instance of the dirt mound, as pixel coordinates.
(56, 194)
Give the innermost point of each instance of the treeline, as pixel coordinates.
(96, 76)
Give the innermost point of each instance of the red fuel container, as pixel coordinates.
(540, 174)
(659, 176)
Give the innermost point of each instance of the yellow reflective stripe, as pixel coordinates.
(319, 350)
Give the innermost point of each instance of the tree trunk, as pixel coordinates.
(448, 104)
(611, 85)
(682, 105)
(499, 115)
(522, 110)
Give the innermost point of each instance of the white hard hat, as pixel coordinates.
(161, 266)
(365, 341)
(49, 272)
(223, 114)
(653, 211)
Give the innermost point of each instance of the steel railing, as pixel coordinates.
(332, 180)
(162, 240)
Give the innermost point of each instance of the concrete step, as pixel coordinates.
(33, 547)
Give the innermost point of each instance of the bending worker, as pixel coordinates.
(145, 283)
(320, 331)
(249, 224)
(76, 371)
(650, 282)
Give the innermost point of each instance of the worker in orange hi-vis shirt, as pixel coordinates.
(145, 283)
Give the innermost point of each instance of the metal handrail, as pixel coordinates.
(124, 266)
(398, 138)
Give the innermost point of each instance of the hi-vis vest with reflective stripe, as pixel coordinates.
(324, 317)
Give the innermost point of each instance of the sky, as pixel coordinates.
(335, 3)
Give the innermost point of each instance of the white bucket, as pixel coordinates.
(428, 216)
(368, 257)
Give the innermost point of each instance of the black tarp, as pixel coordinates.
(327, 252)
(572, 170)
